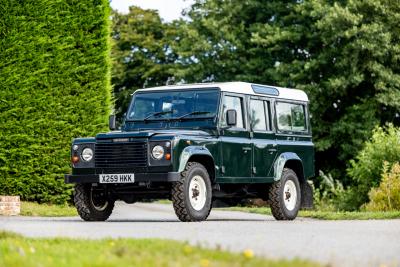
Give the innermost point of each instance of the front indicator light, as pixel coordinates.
(168, 156)
(75, 159)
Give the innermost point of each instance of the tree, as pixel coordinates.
(216, 45)
(344, 54)
(141, 53)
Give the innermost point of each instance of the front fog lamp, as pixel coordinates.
(157, 152)
(87, 154)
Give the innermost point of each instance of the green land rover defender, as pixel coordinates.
(200, 145)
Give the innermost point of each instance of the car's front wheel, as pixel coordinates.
(92, 203)
(285, 196)
(191, 196)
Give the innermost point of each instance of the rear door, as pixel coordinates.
(263, 138)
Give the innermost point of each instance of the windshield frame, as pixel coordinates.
(215, 117)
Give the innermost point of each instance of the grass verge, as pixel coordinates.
(328, 215)
(163, 201)
(19, 251)
(47, 210)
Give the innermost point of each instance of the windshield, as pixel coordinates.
(182, 104)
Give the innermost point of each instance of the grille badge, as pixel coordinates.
(121, 140)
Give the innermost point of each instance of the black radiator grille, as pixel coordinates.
(121, 155)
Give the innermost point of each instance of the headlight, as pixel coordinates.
(87, 154)
(157, 152)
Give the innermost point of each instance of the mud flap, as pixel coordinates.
(307, 200)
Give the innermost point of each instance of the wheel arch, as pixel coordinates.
(289, 160)
(198, 154)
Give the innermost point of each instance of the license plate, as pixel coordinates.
(117, 178)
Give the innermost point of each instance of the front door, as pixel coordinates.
(236, 147)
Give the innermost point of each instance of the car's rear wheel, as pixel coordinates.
(285, 196)
(191, 196)
(92, 203)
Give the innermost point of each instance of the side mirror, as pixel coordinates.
(231, 117)
(112, 123)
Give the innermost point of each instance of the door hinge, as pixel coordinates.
(254, 170)
(222, 169)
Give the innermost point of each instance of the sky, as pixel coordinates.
(168, 9)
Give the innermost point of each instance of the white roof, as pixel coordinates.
(237, 87)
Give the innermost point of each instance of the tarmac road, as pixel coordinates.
(338, 243)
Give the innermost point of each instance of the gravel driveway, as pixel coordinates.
(339, 243)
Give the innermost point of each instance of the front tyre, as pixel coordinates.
(92, 203)
(191, 196)
(285, 196)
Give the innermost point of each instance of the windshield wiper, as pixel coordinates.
(157, 114)
(193, 113)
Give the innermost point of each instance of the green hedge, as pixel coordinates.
(54, 86)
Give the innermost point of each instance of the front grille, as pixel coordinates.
(129, 155)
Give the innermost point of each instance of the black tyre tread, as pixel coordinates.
(274, 194)
(80, 200)
(274, 198)
(82, 204)
(178, 197)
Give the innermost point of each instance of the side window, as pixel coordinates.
(257, 115)
(298, 118)
(236, 103)
(291, 117)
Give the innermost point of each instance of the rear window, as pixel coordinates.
(291, 117)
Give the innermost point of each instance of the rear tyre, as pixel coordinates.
(285, 196)
(191, 196)
(91, 203)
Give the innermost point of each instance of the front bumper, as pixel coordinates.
(139, 177)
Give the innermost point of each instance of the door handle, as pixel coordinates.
(245, 149)
(273, 147)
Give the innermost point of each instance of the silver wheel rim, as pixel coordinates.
(97, 206)
(290, 195)
(197, 192)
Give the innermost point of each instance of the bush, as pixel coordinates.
(54, 85)
(387, 196)
(327, 193)
(366, 170)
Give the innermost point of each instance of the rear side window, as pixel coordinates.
(291, 117)
(257, 115)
